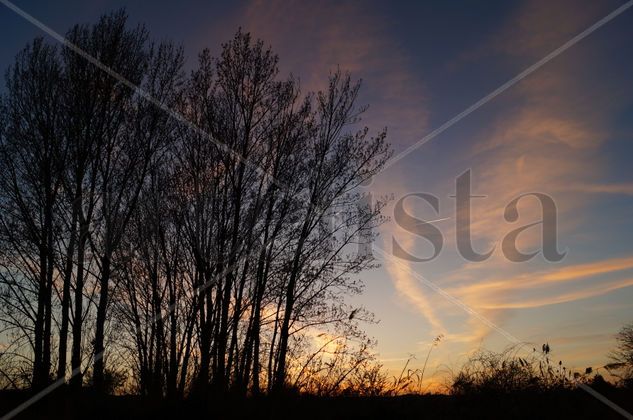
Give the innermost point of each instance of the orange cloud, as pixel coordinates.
(548, 140)
(315, 38)
(621, 188)
(510, 293)
(596, 290)
(564, 274)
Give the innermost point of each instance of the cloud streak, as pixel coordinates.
(509, 293)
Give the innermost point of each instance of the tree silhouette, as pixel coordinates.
(622, 355)
(191, 234)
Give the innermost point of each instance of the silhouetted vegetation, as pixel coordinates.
(186, 232)
(167, 235)
(517, 370)
(622, 357)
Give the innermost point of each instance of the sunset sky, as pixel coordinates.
(565, 130)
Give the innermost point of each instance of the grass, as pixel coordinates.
(518, 382)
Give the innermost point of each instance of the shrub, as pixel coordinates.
(508, 372)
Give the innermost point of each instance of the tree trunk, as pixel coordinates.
(68, 271)
(99, 348)
(75, 360)
(38, 380)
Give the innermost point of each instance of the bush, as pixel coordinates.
(509, 372)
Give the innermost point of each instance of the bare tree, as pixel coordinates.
(203, 254)
(622, 355)
(337, 162)
(32, 159)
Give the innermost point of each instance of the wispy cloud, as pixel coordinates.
(315, 38)
(592, 291)
(547, 138)
(558, 275)
(615, 188)
(411, 293)
(509, 292)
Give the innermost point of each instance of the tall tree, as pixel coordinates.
(200, 248)
(336, 163)
(32, 160)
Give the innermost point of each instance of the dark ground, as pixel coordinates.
(560, 405)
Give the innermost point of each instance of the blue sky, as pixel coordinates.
(566, 130)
